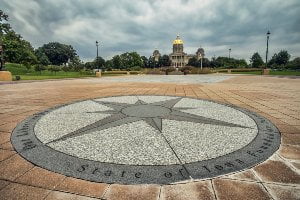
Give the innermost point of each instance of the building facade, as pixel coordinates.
(178, 57)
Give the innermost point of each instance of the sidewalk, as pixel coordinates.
(274, 98)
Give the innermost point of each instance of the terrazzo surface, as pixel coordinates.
(138, 143)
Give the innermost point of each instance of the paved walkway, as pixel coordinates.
(274, 98)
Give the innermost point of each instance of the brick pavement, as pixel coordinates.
(277, 99)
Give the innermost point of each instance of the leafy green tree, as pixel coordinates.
(145, 61)
(54, 68)
(41, 57)
(193, 61)
(39, 68)
(256, 60)
(89, 65)
(241, 63)
(58, 53)
(282, 58)
(18, 50)
(99, 63)
(197, 63)
(213, 62)
(117, 62)
(164, 61)
(78, 67)
(294, 64)
(131, 59)
(66, 68)
(109, 65)
(152, 63)
(4, 27)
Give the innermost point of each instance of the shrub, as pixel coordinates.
(186, 69)
(39, 68)
(167, 70)
(135, 68)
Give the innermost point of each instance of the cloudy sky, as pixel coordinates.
(144, 25)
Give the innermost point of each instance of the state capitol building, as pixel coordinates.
(178, 57)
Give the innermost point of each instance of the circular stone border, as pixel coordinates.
(266, 142)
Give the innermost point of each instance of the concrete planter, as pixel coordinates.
(5, 76)
(98, 74)
(266, 72)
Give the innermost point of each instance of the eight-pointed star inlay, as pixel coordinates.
(151, 113)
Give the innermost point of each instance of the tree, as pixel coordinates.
(99, 63)
(213, 62)
(193, 61)
(130, 60)
(41, 57)
(89, 65)
(145, 61)
(117, 62)
(152, 63)
(18, 50)
(197, 63)
(54, 68)
(281, 58)
(4, 27)
(256, 60)
(108, 65)
(164, 61)
(58, 53)
(39, 68)
(294, 64)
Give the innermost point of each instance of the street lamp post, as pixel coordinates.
(201, 62)
(97, 44)
(267, 51)
(229, 50)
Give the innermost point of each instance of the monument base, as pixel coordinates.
(98, 74)
(266, 72)
(5, 76)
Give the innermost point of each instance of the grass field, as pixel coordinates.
(250, 72)
(279, 73)
(286, 73)
(30, 74)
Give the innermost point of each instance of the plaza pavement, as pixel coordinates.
(275, 98)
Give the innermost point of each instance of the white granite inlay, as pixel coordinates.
(215, 111)
(134, 144)
(195, 142)
(138, 143)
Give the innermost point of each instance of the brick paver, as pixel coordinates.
(275, 98)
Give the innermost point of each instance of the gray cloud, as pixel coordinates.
(142, 26)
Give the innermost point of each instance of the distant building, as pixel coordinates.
(156, 55)
(179, 58)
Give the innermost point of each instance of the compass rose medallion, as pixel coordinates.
(151, 113)
(145, 139)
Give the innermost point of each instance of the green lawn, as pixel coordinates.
(30, 74)
(43, 77)
(250, 72)
(286, 73)
(279, 73)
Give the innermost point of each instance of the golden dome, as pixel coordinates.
(177, 40)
